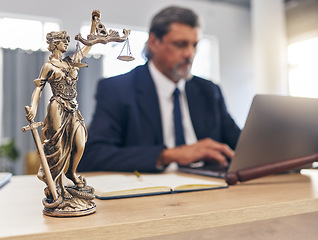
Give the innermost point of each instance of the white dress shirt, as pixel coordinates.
(165, 88)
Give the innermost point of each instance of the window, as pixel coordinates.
(110, 51)
(206, 63)
(113, 66)
(303, 70)
(25, 34)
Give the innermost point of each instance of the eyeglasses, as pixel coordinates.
(181, 44)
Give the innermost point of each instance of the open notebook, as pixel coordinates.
(123, 185)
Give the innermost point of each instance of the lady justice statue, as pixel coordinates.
(64, 130)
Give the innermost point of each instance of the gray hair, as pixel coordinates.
(160, 24)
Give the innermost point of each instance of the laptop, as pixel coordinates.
(277, 128)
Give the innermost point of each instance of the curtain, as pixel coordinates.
(20, 68)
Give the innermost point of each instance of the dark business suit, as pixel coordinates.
(126, 133)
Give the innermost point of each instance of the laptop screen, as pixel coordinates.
(277, 128)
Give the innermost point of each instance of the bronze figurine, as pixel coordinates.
(64, 129)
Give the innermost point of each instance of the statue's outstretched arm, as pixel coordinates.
(80, 55)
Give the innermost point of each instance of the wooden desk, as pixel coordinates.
(274, 207)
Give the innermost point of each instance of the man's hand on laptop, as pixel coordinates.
(206, 149)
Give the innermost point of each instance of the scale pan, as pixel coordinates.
(125, 58)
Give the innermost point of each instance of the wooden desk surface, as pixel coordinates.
(282, 199)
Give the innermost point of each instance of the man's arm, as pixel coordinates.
(206, 149)
(105, 157)
(230, 130)
(107, 149)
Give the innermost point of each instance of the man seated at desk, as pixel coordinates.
(159, 113)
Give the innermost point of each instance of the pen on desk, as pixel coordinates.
(138, 175)
(4, 178)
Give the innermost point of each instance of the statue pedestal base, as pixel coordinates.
(71, 212)
(76, 202)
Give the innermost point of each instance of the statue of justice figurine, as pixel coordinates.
(64, 129)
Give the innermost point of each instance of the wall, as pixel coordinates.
(301, 19)
(229, 23)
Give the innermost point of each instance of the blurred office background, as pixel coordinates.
(248, 47)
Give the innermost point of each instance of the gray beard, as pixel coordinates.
(179, 74)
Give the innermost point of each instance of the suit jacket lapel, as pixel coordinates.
(147, 100)
(197, 108)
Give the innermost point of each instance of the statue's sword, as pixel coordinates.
(33, 127)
